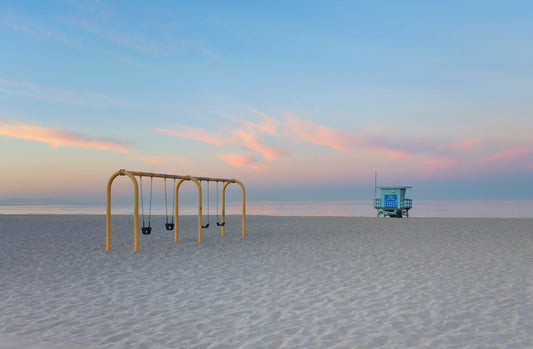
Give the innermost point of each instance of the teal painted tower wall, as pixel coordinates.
(392, 197)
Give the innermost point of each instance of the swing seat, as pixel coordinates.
(169, 226)
(221, 224)
(205, 226)
(146, 230)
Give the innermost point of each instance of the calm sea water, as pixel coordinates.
(483, 209)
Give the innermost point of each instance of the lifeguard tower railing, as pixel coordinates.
(404, 204)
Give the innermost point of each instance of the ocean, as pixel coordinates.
(444, 208)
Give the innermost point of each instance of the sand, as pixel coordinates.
(292, 282)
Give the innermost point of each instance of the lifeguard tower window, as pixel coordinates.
(392, 202)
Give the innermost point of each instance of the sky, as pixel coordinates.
(300, 100)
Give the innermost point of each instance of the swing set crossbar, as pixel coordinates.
(162, 175)
(196, 180)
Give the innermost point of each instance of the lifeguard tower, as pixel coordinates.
(393, 202)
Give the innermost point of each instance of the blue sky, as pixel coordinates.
(301, 100)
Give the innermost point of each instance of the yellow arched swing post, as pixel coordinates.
(176, 207)
(243, 206)
(196, 180)
(135, 209)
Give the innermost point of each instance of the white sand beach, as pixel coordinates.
(292, 282)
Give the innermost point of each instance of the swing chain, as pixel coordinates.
(142, 201)
(207, 225)
(166, 206)
(169, 226)
(219, 224)
(173, 198)
(146, 230)
(150, 212)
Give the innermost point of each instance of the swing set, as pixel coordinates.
(172, 223)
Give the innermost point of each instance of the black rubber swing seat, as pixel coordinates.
(205, 226)
(146, 230)
(169, 226)
(221, 224)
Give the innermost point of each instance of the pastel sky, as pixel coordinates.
(300, 100)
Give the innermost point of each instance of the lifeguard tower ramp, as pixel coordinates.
(392, 202)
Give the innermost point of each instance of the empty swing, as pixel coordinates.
(169, 226)
(223, 218)
(208, 215)
(146, 229)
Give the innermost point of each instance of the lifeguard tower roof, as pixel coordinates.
(395, 187)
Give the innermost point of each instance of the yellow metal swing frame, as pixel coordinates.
(196, 180)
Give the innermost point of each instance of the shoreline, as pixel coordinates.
(263, 215)
(421, 208)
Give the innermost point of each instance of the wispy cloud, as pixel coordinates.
(237, 160)
(125, 37)
(56, 137)
(247, 134)
(244, 160)
(100, 19)
(158, 160)
(36, 91)
(267, 125)
(508, 154)
(462, 144)
(145, 35)
(251, 141)
(256, 136)
(311, 132)
(239, 137)
(195, 134)
(20, 84)
(390, 152)
(33, 28)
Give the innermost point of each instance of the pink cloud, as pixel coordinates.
(397, 154)
(252, 142)
(336, 139)
(249, 135)
(244, 137)
(262, 167)
(506, 154)
(462, 145)
(55, 137)
(242, 160)
(267, 125)
(237, 160)
(318, 134)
